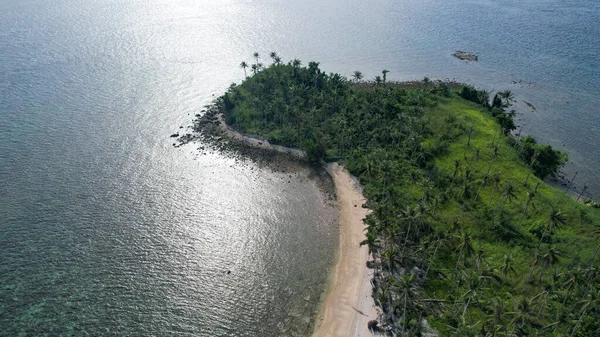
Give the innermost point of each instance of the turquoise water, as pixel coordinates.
(106, 228)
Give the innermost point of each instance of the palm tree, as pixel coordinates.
(390, 257)
(296, 64)
(571, 182)
(357, 75)
(508, 97)
(582, 191)
(507, 266)
(573, 282)
(254, 69)
(542, 300)
(508, 195)
(440, 239)
(530, 196)
(589, 303)
(456, 166)
(591, 274)
(550, 259)
(465, 247)
(556, 219)
(384, 72)
(471, 295)
(273, 56)
(479, 259)
(536, 261)
(410, 216)
(256, 56)
(483, 182)
(496, 179)
(370, 241)
(407, 290)
(533, 162)
(522, 314)
(244, 65)
(595, 252)
(377, 80)
(497, 307)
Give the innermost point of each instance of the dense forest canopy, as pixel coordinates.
(463, 231)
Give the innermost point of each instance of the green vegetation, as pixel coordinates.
(463, 231)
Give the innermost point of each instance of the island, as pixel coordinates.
(448, 228)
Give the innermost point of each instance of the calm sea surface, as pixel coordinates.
(106, 228)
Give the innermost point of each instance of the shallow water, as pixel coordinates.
(106, 228)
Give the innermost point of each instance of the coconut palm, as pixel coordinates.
(508, 97)
(496, 179)
(256, 56)
(556, 219)
(534, 159)
(573, 282)
(456, 166)
(471, 295)
(536, 261)
(498, 316)
(391, 259)
(357, 75)
(571, 182)
(441, 239)
(591, 275)
(523, 314)
(273, 56)
(384, 72)
(595, 252)
(464, 248)
(370, 241)
(479, 259)
(542, 301)
(582, 191)
(549, 259)
(508, 195)
(407, 291)
(507, 265)
(588, 304)
(244, 65)
(296, 64)
(530, 196)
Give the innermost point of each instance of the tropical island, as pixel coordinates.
(464, 237)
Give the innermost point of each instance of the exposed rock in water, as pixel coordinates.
(463, 55)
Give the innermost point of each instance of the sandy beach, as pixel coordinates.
(348, 305)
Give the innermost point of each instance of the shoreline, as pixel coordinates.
(347, 306)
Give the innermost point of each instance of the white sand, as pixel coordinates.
(348, 305)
